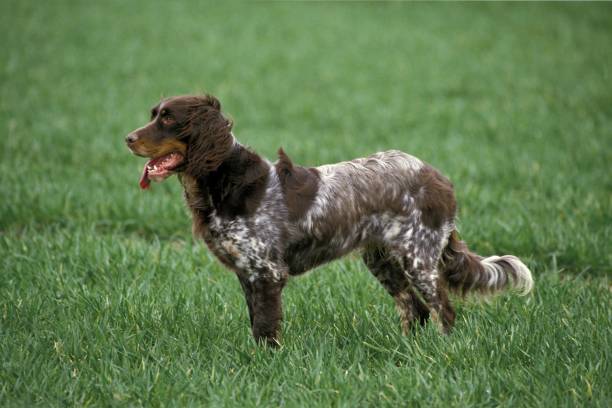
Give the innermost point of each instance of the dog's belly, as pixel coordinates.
(317, 246)
(308, 253)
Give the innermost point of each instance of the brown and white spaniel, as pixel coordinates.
(269, 221)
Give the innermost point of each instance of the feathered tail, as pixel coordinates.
(466, 272)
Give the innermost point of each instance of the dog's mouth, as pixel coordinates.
(160, 168)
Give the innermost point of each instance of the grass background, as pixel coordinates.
(105, 299)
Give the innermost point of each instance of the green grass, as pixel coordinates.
(105, 299)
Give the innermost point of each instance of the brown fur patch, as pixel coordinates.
(299, 185)
(198, 203)
(267, 312)
(210, 137)
(237, 186)
(462, 268)
(434, 196)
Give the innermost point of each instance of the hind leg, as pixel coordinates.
(389, 273)
(426, 281)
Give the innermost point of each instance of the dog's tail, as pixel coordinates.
(466, 272)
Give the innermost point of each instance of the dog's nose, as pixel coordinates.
(131, 138)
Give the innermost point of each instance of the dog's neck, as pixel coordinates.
(233, 189)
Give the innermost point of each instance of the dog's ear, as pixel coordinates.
(209, 136)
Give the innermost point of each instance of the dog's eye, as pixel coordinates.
(166, 118)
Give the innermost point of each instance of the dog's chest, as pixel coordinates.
(242, 247)
(247, 245)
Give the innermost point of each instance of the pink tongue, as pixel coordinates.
(145, 181)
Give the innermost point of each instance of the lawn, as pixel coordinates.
(107, 300)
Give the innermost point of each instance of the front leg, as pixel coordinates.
(266, 310)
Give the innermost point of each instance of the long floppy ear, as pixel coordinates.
(210, 138)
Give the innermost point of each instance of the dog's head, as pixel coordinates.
(186, 134)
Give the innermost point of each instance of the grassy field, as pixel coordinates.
(105, 298)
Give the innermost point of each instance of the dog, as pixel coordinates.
(271, 221)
